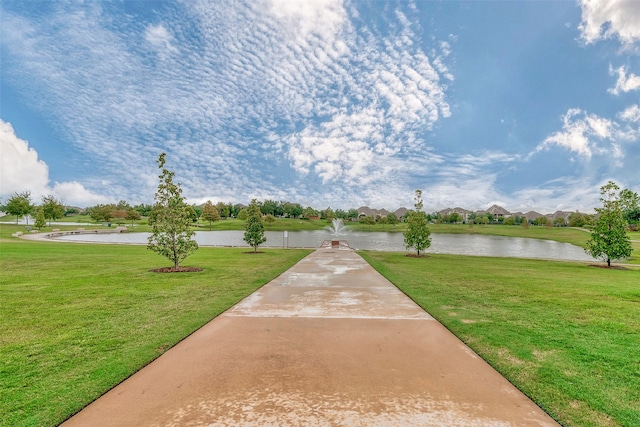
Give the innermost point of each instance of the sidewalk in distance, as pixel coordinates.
(329, 342)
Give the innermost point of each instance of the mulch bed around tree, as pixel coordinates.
(416, 256)
(176, 270)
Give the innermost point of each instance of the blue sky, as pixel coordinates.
(530, 105)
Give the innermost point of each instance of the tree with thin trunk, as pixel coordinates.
(609, 240)
(20, 205)
(132, 215)
(254, 229)
(41, 222)
(170, 220)
(210, 213)
(53, 209)
(417, 234)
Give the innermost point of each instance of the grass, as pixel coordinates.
(567, 334)
(77, 319)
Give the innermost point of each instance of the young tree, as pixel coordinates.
(328, 214)
(210, 213)
(170, 220)
(254, 230)
(392, 219)
(270, 219)
(367, 220)
(20, 205)
(102, 213)
(417, 234)
(132, 215)
(576, 219)
(223, 209)
(609, 239)
(242, 214)
(41, 221)
(53, 209)
(119, 215)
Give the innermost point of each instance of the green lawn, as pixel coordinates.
(567, 334)
(77, 319)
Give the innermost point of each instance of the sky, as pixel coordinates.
(531, 105)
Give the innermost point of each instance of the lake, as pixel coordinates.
(458, 244)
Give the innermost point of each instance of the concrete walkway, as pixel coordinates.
(328, 343)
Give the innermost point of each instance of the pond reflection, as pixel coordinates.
(458, 244)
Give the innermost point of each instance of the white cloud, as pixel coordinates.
(160, 40)
(629, 131)
(75, 194)
(626, 82)
(281, 99)
(581, 133)
(21, 170)
(602, 19)
(631, 114)
(311, 17)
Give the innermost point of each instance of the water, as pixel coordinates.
(337, 227)
(458, 244)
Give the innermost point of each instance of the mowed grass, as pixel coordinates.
(566, 334)
(77, 319)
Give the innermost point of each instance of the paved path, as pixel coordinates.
(328, 343)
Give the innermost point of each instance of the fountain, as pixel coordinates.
(337, 227)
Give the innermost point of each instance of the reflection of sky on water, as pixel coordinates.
(459, 244)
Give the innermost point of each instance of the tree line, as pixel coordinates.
(171, 218)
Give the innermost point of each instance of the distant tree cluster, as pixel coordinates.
(21, 206)
(119, 212)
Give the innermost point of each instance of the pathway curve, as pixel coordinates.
(328, 343)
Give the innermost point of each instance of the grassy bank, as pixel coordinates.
(77, 319)
(566, 334)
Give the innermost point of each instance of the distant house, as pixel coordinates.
(498, 212)
(462, 213)
(560, 214)
(401, 213)
(532, 215)
(365, 211)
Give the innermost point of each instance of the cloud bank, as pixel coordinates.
(21, 170)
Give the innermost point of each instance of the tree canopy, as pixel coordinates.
(19, 205)
(254, 229)
(417, 234)
(609, 240)
(170, 220)
(51, 208)
(210, 213)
